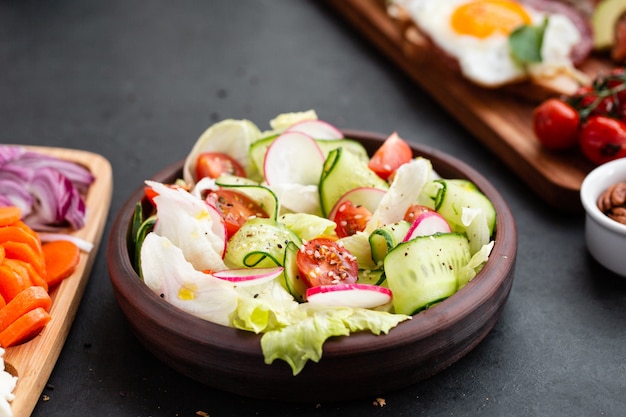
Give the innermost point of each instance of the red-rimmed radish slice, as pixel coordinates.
(368, 197)
(317, 129)
(249, 276)
(427, 224)
(293, 158)
(349, 295)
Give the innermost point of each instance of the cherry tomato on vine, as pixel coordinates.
(556, 124)
(603, 139)
(214, 164)
(393, 153)
(235, 208)
(351, 219)
(589, 101)
(323, 261)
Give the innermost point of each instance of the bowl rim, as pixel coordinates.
(594, 185)
(452, 310)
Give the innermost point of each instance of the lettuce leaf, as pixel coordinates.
(303, 340)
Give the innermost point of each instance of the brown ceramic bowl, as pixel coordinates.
(359, 365)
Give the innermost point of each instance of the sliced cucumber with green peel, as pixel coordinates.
(259, 243)
(424, 271)
(342, 172)
(374, 277)
(387, 237)
(258, 149)
(292, 280)
(451, 196)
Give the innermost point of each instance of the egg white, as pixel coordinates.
(488, 61)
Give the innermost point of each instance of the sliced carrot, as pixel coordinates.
(2, 253)
(24, 252)
(9, 215)
(18, 234)
(27, 300)
(61, 257)
(2, 302)
(25, 327)
(28, 230)
(11, 282)
(35, 277)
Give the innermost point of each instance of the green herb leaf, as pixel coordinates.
(526, 41)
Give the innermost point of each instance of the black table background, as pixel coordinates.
(139, 81)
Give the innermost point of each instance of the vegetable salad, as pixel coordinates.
(297, 234)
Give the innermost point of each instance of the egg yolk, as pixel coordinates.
(484, 18)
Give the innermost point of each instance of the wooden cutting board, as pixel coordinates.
(500, 120)
(34, 360)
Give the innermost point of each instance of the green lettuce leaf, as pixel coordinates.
(304, 339)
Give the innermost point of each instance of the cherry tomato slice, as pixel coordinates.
(390, 156)
(351, 219)
(235, 208)
(323, 261)
(603, 139)
(414, 212)
(214, 164)
(556, 124)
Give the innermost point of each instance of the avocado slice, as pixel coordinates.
(604, 20)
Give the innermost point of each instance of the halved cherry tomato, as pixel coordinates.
(603, 139)
(556, 124)
(414, 212)
(214, 164)
(351, 219)
(235, 208)
(393, 153)
(323, 261)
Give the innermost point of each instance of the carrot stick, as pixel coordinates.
(24, 328)
(24, 252)
(9, 215)
(11, 283)
(2, 302)
(27, 300)
(2, 253)
(61, 258)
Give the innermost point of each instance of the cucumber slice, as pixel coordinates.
(342, 172)
(259, 243)
(423, 271)
(258, 149)
(387, 237)
(451, 196)
(374, 277)
(292, 280)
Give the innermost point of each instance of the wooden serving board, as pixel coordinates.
(501, 120)
(34, 360)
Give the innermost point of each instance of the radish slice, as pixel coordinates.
(349, 295)
(368, 197)
(249, 276)
(427, 224)
(293, 158)
(317, 129)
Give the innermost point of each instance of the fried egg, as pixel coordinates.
(476, 34)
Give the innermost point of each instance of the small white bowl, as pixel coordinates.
(605, 237)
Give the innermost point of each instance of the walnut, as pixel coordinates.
(612, 202)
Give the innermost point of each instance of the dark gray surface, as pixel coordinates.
(138, 81)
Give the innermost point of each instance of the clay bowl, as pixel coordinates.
(360, 365)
